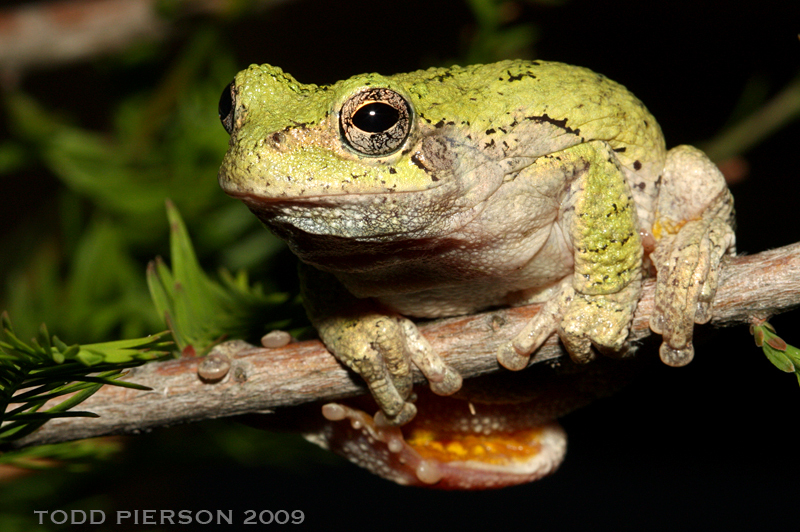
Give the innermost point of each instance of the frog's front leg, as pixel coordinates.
(694, 231)
(595, 305)
(377, 344)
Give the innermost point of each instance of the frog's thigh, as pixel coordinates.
(596, 305)
(694, 230)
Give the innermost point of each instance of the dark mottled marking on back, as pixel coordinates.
(558, 123)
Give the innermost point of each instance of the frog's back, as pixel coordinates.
(528, 97)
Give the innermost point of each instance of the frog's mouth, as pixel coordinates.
(367, 229)
(375, 216)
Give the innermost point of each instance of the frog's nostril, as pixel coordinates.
(277, 139)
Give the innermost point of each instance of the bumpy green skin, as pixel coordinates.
(287, 141)
(518, 181)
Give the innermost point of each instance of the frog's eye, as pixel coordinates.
(226, 108)
(375, 121)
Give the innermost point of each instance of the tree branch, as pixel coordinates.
(260, 379)
(38, 34)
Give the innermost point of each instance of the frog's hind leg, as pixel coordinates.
(694, 231)
(594, 306)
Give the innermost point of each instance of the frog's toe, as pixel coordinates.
(406, 414)
(516, 354)
(450, 383)
(443, 379)
(389, 399)
(676, 327)
(707, 292)
(575, 341)
(510, 358)
(676, 357)
(602, 321)
(702, 313)
(657, 323)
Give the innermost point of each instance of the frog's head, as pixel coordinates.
(353, 160)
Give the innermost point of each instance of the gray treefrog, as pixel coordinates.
(451, 190)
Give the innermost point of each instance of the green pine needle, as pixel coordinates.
(46, 369)
(199, 311)
(76, 455)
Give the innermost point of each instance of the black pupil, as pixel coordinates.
(376, 117)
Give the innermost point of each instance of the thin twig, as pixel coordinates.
(752, 287)
(769, 118)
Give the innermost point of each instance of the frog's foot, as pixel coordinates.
(381, 349)
(694, 228)
(581, 320)
(471, 450)
(499, 430)
(602, 321)
(688, 272)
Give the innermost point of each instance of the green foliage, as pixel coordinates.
(783, 356)
(74, 455)
(103, 294)
(201, 312)
(498, 34)
(79, 269)
(31, 374)
(78, 262)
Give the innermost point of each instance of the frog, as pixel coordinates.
(449, 191)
